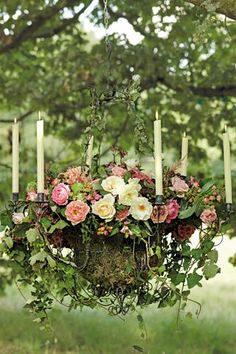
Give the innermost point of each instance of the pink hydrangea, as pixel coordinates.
(122, 214)
(173, 210)
(179, 186)
(93, 197)
(136, 173)
(208, 216)
(76, 211)
(60, 194)
(118, 171)
(31, 196)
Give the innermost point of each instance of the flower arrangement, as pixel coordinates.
(103, 240)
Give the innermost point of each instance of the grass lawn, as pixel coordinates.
(95, 332)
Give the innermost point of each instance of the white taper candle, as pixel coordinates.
(227, 167)
(184, 155)
(40, 155)
(158, 156)
(15, 157)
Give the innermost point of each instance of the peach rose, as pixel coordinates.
(60, 194)
(76, 211)
(208, 215)
(179, 186)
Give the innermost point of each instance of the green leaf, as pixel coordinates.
(54, 208)
(207, 186)
(184, 214)
(38, 257)
(20, 256)
(51, 261)
(148, 226)
(158, 251)
(6, 219)
(179, 278)
(32, 235)
(196, 253)
(193, 279)
(46, 223)
(59, 225)
(9, 242)
(2, 228)
(213, 256)
(76, 188)
(207, 246)
(135, 229)
(210, 270)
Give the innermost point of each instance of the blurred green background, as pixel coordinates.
(174, 57)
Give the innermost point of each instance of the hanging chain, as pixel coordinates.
(107, 42)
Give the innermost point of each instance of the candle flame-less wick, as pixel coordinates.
(39, 115)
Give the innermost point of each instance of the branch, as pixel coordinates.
(225, 7)
(217, 91)
(37, 22)
(64, 24)
(19, 119)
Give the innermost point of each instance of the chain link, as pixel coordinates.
(107, 41)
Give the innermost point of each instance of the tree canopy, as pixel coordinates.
(182, 63)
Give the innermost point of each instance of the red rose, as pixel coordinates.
(185, 231)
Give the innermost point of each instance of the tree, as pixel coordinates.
(185, 60)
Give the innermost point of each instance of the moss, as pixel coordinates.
(109, 262)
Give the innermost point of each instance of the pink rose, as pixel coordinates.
(76, 211)
(118, 171)
(173, 210)
(208, 215)
(179, 186)
(159, 214)
(31, 196)
(60, 194)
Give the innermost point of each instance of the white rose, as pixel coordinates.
(17, 218)
(131, 163)
(141, 208)
(134, 182)
(129, 192)
(113, 184)
(104, 207)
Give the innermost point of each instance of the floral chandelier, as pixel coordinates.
(112, 235)
(115, 238)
